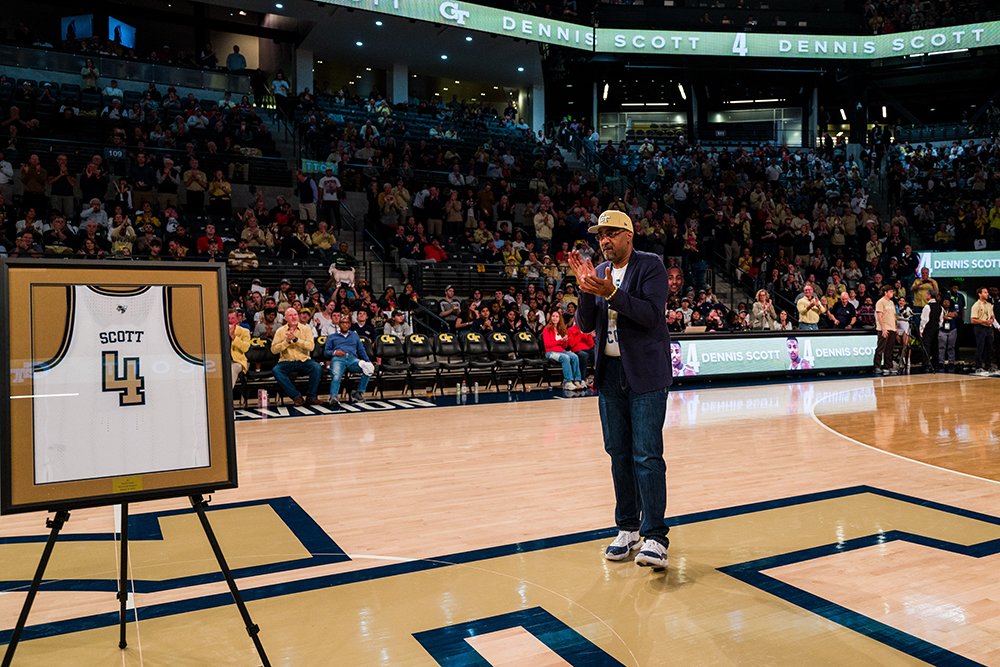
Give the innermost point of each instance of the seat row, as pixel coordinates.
(431, 360)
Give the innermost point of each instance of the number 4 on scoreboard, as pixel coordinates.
(128, 383)
(740, 44)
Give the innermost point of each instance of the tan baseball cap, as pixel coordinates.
(612, 220)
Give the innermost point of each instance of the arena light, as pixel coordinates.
(884, 112)
(243, 12)
(444, 56)
(278, 5)
(378, 24)
(843, 114)
(468, 38)
(684, 95)
(607, 88)
(520, 69)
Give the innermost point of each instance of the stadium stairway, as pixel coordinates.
(573, 162)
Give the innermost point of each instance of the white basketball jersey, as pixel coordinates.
(121, 397)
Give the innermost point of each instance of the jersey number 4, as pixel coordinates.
(126, 381)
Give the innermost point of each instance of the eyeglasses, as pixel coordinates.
(610, 235)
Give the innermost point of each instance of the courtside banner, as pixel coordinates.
(985, 264)
(714, 355)
(687, 43)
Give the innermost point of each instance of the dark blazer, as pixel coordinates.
(642, 327)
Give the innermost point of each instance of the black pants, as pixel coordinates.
(331, 213)
(195, 201)
(883, 350)
(930, 341)
(984, 345)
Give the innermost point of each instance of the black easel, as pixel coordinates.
(123, 579)
(62, 516)
(199, 504)
(56, 524)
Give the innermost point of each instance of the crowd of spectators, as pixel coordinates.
(889, 16)
(226, 127)
(154, 209)
(951, 191)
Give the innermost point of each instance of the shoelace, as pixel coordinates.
(622, 540)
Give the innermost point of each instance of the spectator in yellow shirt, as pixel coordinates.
(810, 308)
(293, 343)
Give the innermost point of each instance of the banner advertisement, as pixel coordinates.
(711, 355)
(680, 42)
(317, 167)
(984, 264)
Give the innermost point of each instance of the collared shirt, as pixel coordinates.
(807, 313)
(349, 343)
(981, 310)
(925, 315)
(301, 350)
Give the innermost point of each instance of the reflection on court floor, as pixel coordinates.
(790, 544)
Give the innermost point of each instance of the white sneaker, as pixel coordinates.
(622, 546)
(579, 386)
(982, 372)
(652, 554)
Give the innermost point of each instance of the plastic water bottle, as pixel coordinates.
(262, 400)
(475, 390)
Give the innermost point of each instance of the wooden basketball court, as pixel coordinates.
(819, 523)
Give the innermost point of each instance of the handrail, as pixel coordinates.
(111, 67)
(431, 316)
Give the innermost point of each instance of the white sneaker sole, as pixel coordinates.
(649, 561)
(625, 556)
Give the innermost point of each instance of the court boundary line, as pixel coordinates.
(323, 550)
(812, 413)
(863, 623)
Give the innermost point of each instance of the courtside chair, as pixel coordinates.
(260, 362)
(532, 359)
(507, 365)
(477, 354)
(392, 353)
(448, 353)
(423, 364)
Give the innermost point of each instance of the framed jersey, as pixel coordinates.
(117, 383)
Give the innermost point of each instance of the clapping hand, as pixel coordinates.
(581, 267)
(587, 278)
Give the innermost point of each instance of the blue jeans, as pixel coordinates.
(633, 437)
(808, 327)
(340, 365)
(283, 369)
(570, 365)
